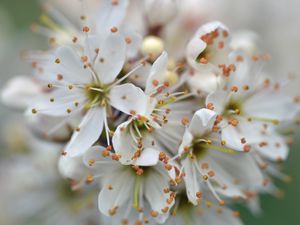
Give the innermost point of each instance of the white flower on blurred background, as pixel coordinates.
(87, 82)
(207, 162)
(127, 188)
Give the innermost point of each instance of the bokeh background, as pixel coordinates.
(276, 21)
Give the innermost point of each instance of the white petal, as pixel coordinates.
(111, 15)
(128, 98)
(232, 137)
(122, 183)
(19, 91)
(71, 167)
(90, 130)
(149, 157)
(202, 122)
(276, 147)
(70, 66)
(207, 82)
(242, 167)
(156, 181)
(186, 141)
(157, 72)
(64, 99)
(111, 58)
(96, 162)
(218, 99)
(159, 16)
(191, 180)
(271, 105)
(123, 143)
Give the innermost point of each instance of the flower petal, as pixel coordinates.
(123, 143)
(149, 157)
(202, 122)
(218, 99)
(191, 180)
(111, 58)
(128, 99)
(90, 130)
(157, 73)
(155, 183)
(116, 192)
(272, 105)
(111, 15)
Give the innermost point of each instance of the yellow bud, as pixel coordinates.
(152, 46)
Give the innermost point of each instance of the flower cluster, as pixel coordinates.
(175, 123)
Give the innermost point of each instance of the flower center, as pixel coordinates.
(232, 107)
(96, 94)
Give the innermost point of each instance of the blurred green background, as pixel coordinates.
(19, 14)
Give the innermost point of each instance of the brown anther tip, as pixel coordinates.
(221, 202)
(82, 17)
(185, 121)
(234, 88)
(154, 213)
(247, 148)
(199, 194)
(86, 29)
(128, 40)
(114, 29)
(210, 106)
(57, 61)
(203, 60)
(34, 111)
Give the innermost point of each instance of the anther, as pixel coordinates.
(86, 29)
(114, 29)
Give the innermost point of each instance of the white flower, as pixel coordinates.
(126, 187)
(208, 212)
(208, 163)
(251, 106)
(87, 83)
(156, 124)
(34, 193)
(208, 49)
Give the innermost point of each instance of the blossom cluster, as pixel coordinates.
(173, 120)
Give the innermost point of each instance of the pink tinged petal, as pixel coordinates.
(67, 62)
(90, 129)
(191, 180)
(123, 143)
(202, 122)
(111, 14)
(157, 73)
(20, 91)
(148, 157)
(111, 58)
(117, 190)
(218, 99)
(155, 182)
(129, 99)
(271, 105)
